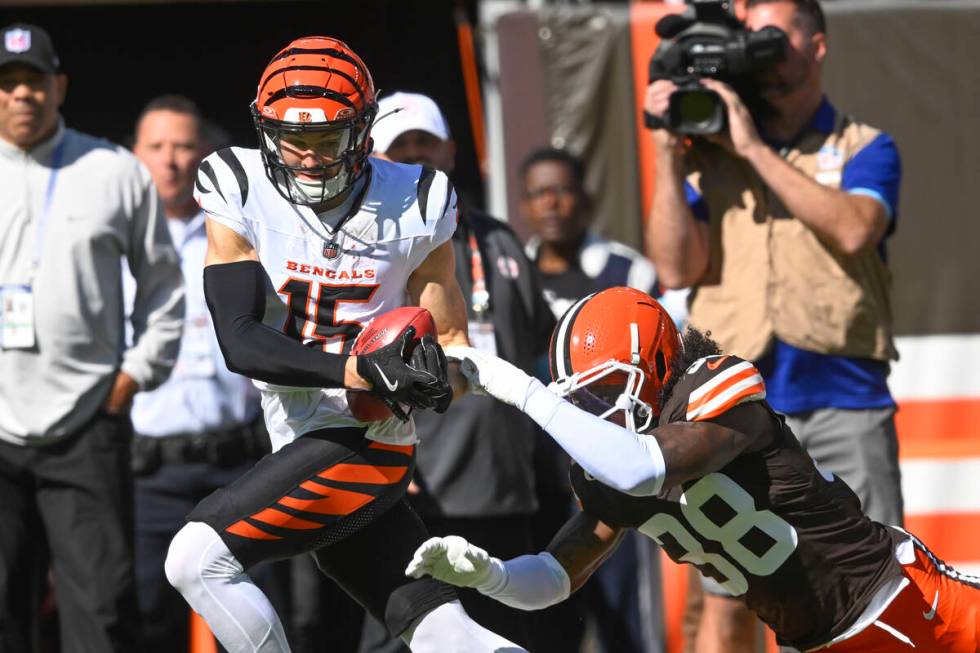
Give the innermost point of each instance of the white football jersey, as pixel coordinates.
(327, 285)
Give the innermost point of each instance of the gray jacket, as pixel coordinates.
(102, 206)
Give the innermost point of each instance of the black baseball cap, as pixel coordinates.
(28, 44)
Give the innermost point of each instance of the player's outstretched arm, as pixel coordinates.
(636, 464)
(693, 449)
(626, 461)
(236, 287)
(528, 582)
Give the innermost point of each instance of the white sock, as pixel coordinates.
(448, 629)
(213, 582)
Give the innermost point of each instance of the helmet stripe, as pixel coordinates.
(561, 357)
(338, 54)
(326, 69)
(294, 91)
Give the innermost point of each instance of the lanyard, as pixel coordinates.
(42, 222)
(479, 298)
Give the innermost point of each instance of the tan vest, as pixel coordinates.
(769, 275)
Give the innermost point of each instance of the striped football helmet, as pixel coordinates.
(618, 345)
(317, 90)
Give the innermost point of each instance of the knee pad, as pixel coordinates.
(195, 553)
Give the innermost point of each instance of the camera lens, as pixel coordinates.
(696, 108)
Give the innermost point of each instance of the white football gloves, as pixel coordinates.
(494, 376)
(453, 560)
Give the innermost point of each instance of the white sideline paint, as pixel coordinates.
(940, 485)
(936, 367)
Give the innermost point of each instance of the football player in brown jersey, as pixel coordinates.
(675, 439)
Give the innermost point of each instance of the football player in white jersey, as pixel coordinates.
(308, 239)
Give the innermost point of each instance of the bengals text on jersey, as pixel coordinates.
(329, 279)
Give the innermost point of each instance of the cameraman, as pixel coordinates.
(779, 226)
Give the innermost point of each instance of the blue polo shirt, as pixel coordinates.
(798, 380)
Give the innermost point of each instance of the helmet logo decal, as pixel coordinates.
(344, 113)
(312, 114)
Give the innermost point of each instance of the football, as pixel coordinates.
(383, 330)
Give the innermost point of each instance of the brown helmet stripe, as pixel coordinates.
(561, 341)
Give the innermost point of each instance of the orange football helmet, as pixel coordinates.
(618, 344)
(315, 85)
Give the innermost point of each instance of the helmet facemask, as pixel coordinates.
(611, 353)
(619, 403)
(611, 390)
(346, 142)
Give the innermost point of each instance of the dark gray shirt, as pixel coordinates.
(476, 459)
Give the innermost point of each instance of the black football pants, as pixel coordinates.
(80, 491)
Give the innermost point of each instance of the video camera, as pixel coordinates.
(707, 40)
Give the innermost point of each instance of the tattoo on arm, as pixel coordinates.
(582, 545)
(693, 449)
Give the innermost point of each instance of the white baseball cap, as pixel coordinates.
(402, 112)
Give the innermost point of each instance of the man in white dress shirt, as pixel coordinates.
(201, 429)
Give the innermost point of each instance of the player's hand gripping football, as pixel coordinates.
(452, 560)
(493, 376)
(429, 358)
(396, 382)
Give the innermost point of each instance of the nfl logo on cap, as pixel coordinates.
(17, 40)
(331, 250)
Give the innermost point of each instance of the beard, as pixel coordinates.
(773, 86)
(782, 81)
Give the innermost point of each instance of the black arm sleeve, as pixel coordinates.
(235, 293)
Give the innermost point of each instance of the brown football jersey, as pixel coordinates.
(770, 527)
